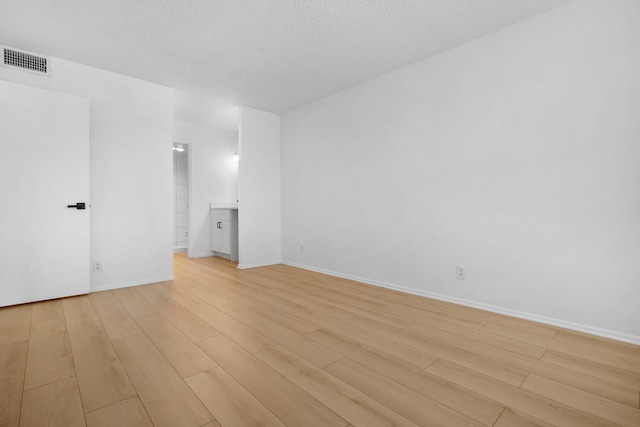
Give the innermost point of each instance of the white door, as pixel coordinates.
(44, 166)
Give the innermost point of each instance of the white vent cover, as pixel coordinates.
(26, 61)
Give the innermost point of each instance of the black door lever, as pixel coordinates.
(79, 205)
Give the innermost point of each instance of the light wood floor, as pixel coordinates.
(278, 346)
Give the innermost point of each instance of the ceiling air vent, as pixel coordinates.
(25, 61)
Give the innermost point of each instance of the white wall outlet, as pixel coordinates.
(97, 266)
(301, 248)
(459, 272)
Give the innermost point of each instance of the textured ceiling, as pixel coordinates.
(274, 55)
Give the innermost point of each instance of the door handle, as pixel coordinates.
(219, 224)
(79, 206)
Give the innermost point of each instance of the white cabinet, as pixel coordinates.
(224, 233)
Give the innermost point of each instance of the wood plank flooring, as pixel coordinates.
(280, 346)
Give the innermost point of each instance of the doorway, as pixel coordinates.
(180, 198)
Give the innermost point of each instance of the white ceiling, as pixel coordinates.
(274, 55)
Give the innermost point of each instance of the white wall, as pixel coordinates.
(130, 170)
(213, 177)
(516, 155)
(259, 229)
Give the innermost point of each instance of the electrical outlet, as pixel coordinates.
(97, 266)
(459, 272)
(301, 248)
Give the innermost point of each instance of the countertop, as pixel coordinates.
(223, 205)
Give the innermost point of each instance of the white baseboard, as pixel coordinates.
(615, 335)
(245, 266)
(129, 284)
(202, 255)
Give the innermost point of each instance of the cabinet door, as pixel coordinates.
(217, 236)
(221, 236)
(226, 237)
